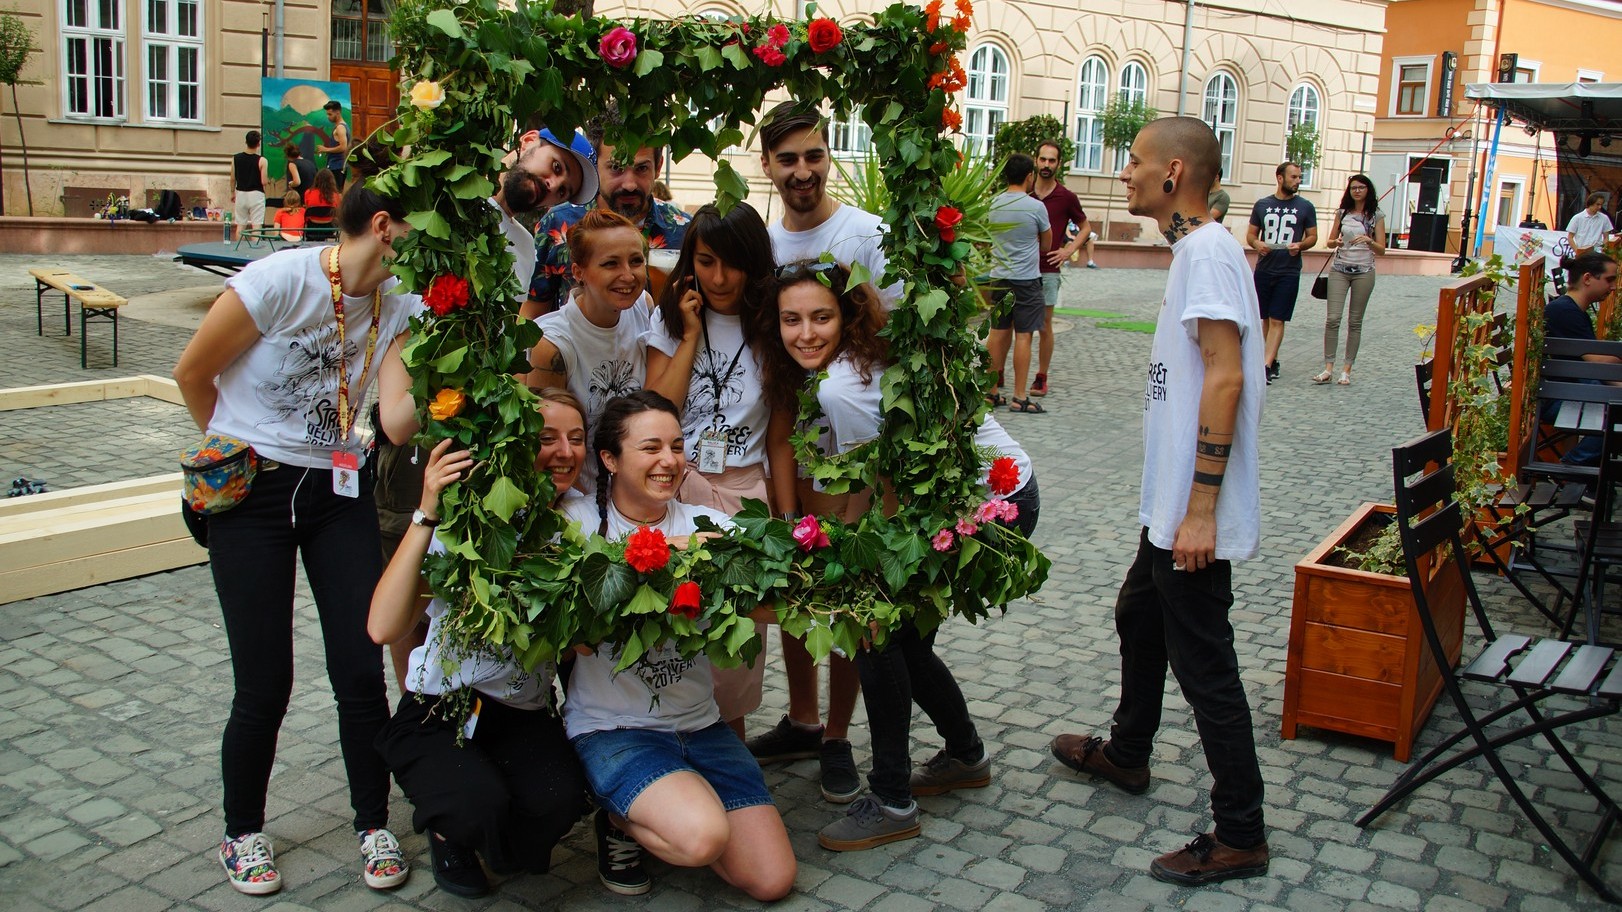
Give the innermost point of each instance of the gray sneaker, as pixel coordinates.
(943, 773)
(868, 824)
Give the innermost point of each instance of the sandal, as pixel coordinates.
(996, 399)
(1323, 377)
(1345, 379)
(1027, 406)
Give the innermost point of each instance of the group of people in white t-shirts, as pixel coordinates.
(656, 413)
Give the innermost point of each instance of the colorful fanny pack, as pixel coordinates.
(219, 473)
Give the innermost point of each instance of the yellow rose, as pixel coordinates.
(427, 95)
(447, 404)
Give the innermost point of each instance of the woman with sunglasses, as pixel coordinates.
(1357, 235)
(666, 770)
(512, 788)
(823, 328)
(283, 361)
(702, 355)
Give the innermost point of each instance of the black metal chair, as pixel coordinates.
(1531, 670)
(1599, 538)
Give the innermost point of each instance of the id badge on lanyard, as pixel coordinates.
(346, 465)
(712, 453)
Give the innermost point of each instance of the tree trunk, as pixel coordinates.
(18, 113)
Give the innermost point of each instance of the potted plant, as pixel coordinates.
(1303, 145)
(1121, 121)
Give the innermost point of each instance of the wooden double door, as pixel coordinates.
(374, 95)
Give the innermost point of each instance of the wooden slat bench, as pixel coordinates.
(96, 305)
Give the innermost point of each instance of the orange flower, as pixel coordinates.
(965, 12)
(932, 16)
(447, 404)
(960, 23)
(951, 119)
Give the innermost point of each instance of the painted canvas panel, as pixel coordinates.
(293, 110)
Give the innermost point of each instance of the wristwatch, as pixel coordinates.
(419, 518)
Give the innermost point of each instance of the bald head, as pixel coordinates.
(1187, 139)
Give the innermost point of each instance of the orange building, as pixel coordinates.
(1430, 143)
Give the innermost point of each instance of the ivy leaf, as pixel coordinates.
(859, 275)
(931, 304)
(730, 187)
(606, 582)
(735, 55)
(739, 637)
(430, 223)
(898, 561)
(648, 61)
(819, 641)
(445, 21)
(708, 58)
(861, 550)
(505, 499)
(646, 601)
(449, 363)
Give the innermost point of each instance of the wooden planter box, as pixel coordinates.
(1357, 657)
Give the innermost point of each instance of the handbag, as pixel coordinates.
(1320, 285)
(218, 474)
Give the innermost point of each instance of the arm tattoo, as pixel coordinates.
(558, 366)
(1210, 479)
(1214, 450)
(1181, 225)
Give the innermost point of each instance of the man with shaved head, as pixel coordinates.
(1200, 509)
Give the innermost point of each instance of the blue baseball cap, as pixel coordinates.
(581, 150)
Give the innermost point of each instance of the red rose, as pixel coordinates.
(618, 47)
(445, 294)
(687, 600)
(947, 219)
(824, 35)
(646, 549)
(1004, 476)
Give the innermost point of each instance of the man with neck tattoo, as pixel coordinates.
(1200, 509)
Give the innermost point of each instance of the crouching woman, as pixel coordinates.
(665, 768)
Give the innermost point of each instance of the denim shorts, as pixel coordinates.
(1050, 289)
(621, 763)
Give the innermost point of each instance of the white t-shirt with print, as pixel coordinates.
(521, 244)
(599, 699)
(491, 671)
(1588, 230)
(281, 395)
(851, 235)
(724, 394)
(601, 362)
(1209, 279)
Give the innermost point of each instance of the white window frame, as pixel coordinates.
(1397, 63)
(985, 99)
(90, 33)
(1519, 183)
(1299, 113)
(1131, 90)
(1590, 75)
(174, 45)
(849, 137)
(1531, 68)
(1227, 130)
(1092, 94)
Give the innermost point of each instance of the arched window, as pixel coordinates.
(1222, 113)
(1304, 111)
(986, 102)
(1134, 89)
(1091, 95)
(849, 136)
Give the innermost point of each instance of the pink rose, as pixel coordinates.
(942, 540)
(618, 47)
(809, 534)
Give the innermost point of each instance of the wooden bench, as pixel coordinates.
(96, 304)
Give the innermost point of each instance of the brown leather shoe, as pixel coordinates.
(1205, 861)
(1085, 754)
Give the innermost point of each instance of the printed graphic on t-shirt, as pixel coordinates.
(1156, 390)
(610, 379)
(1279, 228)
(709, 391)
(307, 384)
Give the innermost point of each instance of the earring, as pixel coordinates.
(1168, 186)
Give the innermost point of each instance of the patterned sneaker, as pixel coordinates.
(942, 773)
(786, 741)
(619, 859)
(383, 864)
(840, 784)
(1039, 386)
(869, 824)
(250, 864)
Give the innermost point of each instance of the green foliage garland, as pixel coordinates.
(517, 573)
(1027, 135)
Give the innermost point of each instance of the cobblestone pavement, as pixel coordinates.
(112, 698)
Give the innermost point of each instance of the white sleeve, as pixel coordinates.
(269, 290)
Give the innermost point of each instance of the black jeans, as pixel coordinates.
(292, 513)
(512, 791)
(908, 669)
(1029, 501)
(1174, 617)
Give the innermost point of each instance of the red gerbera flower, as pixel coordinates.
(646, 549)
(1004, 476)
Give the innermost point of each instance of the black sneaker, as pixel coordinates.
(785, 742)
(619, 860)
(1272, 371)
(456, 868)
(840, 784)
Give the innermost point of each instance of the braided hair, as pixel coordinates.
(610, 434)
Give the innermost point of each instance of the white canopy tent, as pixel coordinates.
(1580, 108)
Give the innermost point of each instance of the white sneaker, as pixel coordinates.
(250, 864)
(383, 864)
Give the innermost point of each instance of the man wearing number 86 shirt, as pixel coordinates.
(1282, 227)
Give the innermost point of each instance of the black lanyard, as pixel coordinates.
(720, 380)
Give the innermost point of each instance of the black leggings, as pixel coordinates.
(293, 513)
(511, 792)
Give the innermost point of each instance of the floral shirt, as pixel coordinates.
(664, 227)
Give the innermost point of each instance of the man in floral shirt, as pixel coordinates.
(626, 188)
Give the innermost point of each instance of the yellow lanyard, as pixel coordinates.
(345, 416)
